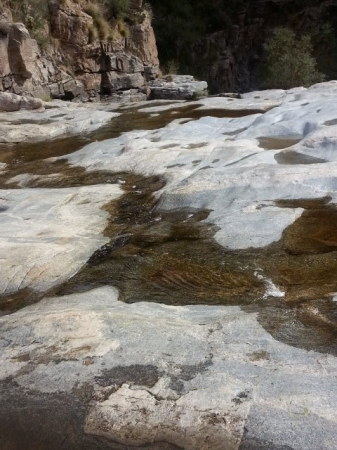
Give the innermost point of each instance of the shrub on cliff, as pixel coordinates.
(108, 18)
(118, 8)
(289, 61)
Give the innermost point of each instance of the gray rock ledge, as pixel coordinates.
(194, 377)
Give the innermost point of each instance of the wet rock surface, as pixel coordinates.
(58, 120)
(208, 378)
(199, 308)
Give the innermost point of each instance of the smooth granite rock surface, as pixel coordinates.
(220, 164)
(211, 378)
(58, 120)
(45, 237)
(95, 372)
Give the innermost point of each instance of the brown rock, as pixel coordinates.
(4, 63)
(69, 23)
(142, 42)
(111, 82)
(22, 51)
(71, 67)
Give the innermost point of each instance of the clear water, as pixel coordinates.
(172, 257)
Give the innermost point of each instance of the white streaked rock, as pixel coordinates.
(56, 121)
(218, 163)
(47, 235)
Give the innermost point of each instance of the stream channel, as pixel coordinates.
(171, 257)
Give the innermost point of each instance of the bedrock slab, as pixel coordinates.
(193, 377)
(47, 235)
(56, 121)
(167, 377)
(244, 104)
(232, 166)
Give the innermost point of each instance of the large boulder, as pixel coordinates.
(178, 87)
(22, 51)
(73, 89)
(112, 81)
(23, 70)
(12, 102)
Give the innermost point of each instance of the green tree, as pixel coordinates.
(289, 61)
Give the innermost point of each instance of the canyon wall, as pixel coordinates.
(76, 61)
(82, 56)
(222, 42)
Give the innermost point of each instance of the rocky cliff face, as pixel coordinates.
(224, 43)
(232, 59)
(22, 68)
(76, 63)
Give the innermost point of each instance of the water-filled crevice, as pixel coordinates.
(131, 119)
(163, 256)
(171, 257)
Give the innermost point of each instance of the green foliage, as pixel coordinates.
(104, 10)
(118, 8)
(93, 33)
(93, 10)
(109, 17)
(46, 98)
(172, 67)
(289, 61)
(35, 15)
(183, 28)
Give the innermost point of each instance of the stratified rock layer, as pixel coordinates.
(74, 65)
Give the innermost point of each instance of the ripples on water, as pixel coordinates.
(171, 257)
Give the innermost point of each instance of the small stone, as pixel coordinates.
(88, 362)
